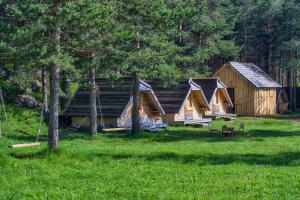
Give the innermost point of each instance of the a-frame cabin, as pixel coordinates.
(183, 102)
(217, 96)
(114, 105)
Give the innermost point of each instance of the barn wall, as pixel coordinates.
(249, 100)
(243, 90)
(265, 101)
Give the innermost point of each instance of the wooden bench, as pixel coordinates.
(203, 122)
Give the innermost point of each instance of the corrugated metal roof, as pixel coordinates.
(255, 75)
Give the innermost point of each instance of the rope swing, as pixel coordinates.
(12, 145)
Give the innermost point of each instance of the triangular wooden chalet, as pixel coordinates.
(181, 103)
(114, 105)
(252, 91)
(217, 96)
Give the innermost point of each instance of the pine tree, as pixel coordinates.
(90, 25)
(200, 31)
(32, 39)
(144, 47)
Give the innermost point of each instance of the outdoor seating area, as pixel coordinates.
(231, 131)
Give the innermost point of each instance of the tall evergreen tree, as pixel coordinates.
(90, 25)
(144, 47)
(33, 38)
(201, 31)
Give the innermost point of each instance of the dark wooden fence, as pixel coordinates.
(287, 89)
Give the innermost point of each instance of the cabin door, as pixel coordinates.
(231, 95)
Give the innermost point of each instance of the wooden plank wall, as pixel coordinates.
(265, 101)
(287, 89)
(249, 100)
(222, 103)
(197, 108)
(243, 90)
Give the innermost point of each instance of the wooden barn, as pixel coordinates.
(217, 96)
(252, 91)
(114, 105)
(182, 103)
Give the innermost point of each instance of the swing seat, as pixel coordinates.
(24, 145)
(114, 129)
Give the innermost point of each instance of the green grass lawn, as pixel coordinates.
(180, 163)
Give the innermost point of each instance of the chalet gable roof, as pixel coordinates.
(172, 97)
(210, 86)
(113, 96)
(254, 75)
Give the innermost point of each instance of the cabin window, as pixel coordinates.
(217, 97)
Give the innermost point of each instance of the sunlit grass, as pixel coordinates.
(179, 163)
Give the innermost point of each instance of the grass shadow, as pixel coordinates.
(31, 155)
(271, 133)
(201, 135)
(280, 159)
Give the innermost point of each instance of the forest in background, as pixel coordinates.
(204, 35)
(48, 44)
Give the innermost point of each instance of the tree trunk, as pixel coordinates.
(290, 79)
(45, 91)
(136, 128)
(65, 90)
(93, 104)
(0, 130)
(54, 103)
(53, 137)
(294, 90)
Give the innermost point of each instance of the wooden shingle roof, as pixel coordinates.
(113, 98)
(254, 75)
(172, 98)
(209, 86)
